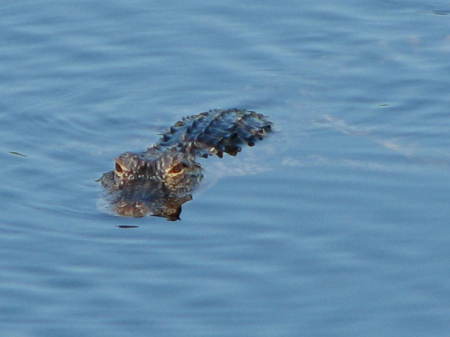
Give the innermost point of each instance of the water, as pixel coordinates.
(337, 225)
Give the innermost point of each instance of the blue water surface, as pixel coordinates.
(336, 225)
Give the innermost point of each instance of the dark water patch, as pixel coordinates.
(14, 153)
(441, 11)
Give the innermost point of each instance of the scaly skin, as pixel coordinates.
(159, 180)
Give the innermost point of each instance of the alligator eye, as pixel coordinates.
(119, 168)
(178, 168)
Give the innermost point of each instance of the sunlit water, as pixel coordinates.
(336, 225)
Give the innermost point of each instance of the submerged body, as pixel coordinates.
(159, 180)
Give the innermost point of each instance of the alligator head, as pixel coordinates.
(152, 182)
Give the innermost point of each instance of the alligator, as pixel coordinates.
(159, 180)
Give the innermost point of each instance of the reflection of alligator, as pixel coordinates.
(159, 180)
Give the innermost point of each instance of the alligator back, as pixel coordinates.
(215, 132)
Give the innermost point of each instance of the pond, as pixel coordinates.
(335, 225)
